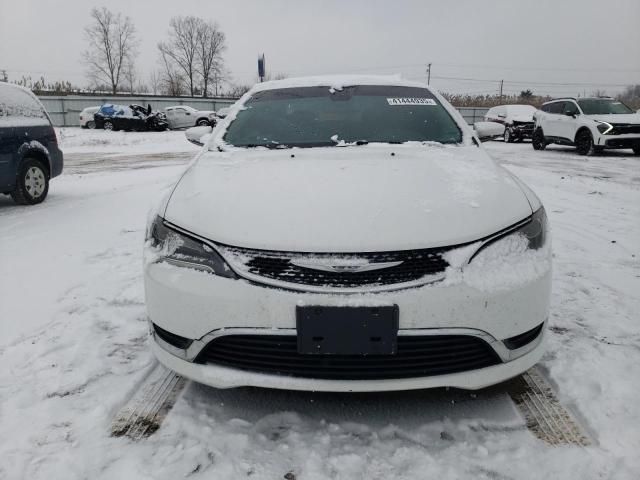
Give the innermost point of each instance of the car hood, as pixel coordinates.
(351, 199)
(617, 118)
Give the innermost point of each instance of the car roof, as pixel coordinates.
(561, 99)
(337, 82)
(13, 86)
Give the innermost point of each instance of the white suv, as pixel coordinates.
(590, 124)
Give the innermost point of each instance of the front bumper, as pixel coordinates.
(200, 306)
(224, 377)
(618, 141)
(522, 130)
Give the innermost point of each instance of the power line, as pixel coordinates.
(523, 82)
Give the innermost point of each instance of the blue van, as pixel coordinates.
(29, 153)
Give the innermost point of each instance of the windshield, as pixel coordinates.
(601, 106)
(323, 116)
(521, 110)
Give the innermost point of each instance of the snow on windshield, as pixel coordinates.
(315, 116)
(20, 106)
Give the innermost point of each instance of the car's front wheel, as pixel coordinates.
(202, 123)
(537, 140)
(584, 143)
(32, 184)
(508, 135)
(91, 125)
(108, 125)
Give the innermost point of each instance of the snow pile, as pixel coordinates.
(506, 264)
(77, 140)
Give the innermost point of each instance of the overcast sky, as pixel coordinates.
(544, 45)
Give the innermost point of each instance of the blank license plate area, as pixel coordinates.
(324, 330)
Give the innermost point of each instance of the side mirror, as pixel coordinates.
(488, 130)
(195, 134)
(571, 114)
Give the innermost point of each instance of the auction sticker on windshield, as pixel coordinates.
(411, 101)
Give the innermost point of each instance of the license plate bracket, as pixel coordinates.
(362, 330)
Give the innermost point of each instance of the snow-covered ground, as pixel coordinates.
(74, 344)
(79, 141)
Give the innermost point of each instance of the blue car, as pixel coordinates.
(29, 153)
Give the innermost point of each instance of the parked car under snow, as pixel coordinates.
(313, 246)
(29, 153)
(517, 120)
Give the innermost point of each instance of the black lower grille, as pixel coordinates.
(624, 128)
(417, 356)
(410, 265)
(171, 338)
(524, 338)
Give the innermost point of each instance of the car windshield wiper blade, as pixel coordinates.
(270, 146)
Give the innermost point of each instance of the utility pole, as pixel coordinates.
(501, 84)
(428, 74)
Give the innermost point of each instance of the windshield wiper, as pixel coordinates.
(270, 146)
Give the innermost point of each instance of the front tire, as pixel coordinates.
(537, 140)
(202, 123)
(108, 125)
(508, 136)
(32, 184)
(584, 143)
(91, 125)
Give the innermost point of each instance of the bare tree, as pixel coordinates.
(182, 47)
(154, 82)
(238, 90)
(130, 76)
(171, 80)
(211, 43)
(112, 44)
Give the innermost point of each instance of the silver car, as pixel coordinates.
(184, 116)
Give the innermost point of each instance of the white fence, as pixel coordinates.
(64, 110)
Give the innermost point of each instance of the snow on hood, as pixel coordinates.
(352, 199)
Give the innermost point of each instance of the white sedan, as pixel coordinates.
(347, 234)
(184, 116)
(86, 117)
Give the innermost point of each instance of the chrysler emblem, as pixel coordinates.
(346, 266)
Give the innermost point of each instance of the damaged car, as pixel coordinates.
(518, 121)
(132, 118)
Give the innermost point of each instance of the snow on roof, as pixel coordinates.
(337, 82)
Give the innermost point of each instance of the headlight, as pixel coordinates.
(182, 250)
(604, 127)
(530, 236)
